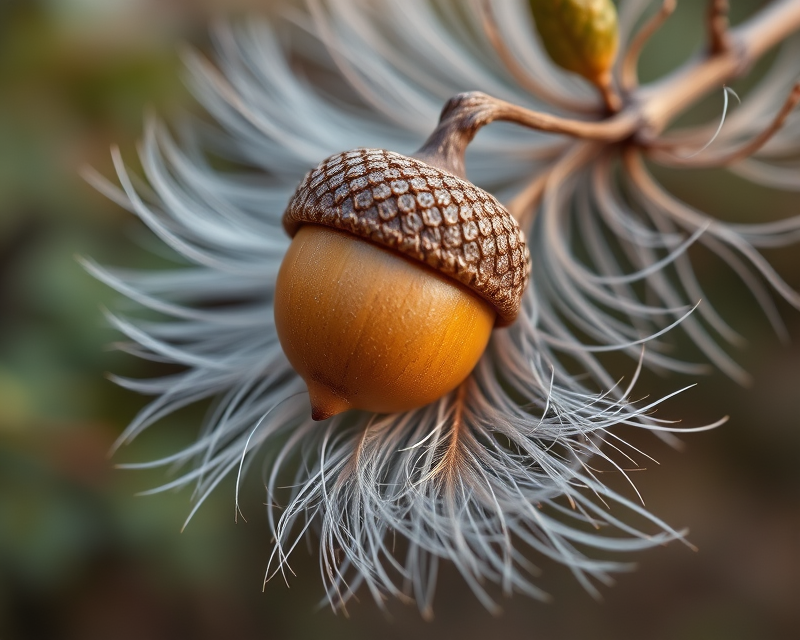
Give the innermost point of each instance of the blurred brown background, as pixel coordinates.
(82, 558)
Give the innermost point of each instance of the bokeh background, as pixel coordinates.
(82, 557)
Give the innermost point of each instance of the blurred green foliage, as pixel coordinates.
(81, 557)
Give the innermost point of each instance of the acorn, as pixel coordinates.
(581, 36)
(396, 275)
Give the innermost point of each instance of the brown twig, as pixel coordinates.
(662, 101)
(669, 158)
(525, 79)
(525, 202)
(466, 113)
(611, 99)
(648, 111)
(650, 108)
(628, 75)
(719, 40)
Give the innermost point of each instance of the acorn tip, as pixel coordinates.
(325, 403)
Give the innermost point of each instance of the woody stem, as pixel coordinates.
(648, 110)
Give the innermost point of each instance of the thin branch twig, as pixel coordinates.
(719, 40)
(669, 158)
(662, 101)
(628, 75)
(466, 113)
(525, 202)
(611, 99)
(648, 111)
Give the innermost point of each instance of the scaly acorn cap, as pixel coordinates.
(424, 213)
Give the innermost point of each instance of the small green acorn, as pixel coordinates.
(581, 36)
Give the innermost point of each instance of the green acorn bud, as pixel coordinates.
(579, 35)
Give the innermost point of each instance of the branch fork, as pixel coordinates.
(647, 110)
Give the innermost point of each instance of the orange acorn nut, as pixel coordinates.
(397, 273)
